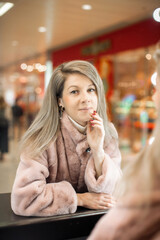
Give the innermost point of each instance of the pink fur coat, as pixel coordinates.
(47, 185)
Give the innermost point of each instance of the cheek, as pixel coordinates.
(67, 101)
(95, 100)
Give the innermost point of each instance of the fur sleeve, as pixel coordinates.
(111, 171)
(32, 196)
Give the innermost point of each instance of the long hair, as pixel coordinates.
(143, 174)
(45, 127)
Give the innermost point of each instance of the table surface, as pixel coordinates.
(9, 219)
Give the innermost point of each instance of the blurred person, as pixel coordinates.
(137, 213)
(31, 112)
(4, 124)
(17, 113)
(69, 155)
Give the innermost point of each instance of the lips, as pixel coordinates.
(85, 109)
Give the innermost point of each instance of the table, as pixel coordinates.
(69, 226)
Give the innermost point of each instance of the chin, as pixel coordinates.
(85, 120)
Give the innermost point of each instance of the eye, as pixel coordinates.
(74, 92)
(91, 89)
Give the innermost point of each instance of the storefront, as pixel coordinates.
(25, 82)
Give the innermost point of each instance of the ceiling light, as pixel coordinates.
(42, 29)
(154, 78)
(30, 68)
(37, 66)
(86, 7)
(23, 66)
(38, 90)
(148, 56)
(156, 14)
(4, 7)
(14, 43)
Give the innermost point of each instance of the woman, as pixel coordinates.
(69, 155)
(137, 214)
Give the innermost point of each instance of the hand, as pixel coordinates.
(95, 132)
(95, 200)
(95, 138)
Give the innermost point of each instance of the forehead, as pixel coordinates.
(77, 80)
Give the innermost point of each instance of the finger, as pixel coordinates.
(104, 208)
(89, 127)
(106, 201)
(97, 117)
(107, 198)
(97, 126)
(109, 205)
(96, 121)
(101, 208)
(105, 195)
(110, 199)
(106, 204)
(103, 200)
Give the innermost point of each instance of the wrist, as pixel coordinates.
(79, 200)
(98, 153)
(98, 157)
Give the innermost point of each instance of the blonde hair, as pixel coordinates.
(45, 127)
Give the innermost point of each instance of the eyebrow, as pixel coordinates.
(78, 86)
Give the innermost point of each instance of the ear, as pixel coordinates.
(60, 102)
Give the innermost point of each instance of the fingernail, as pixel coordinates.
(94, 113)
(110, 205)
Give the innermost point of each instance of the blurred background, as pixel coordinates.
(119, 37)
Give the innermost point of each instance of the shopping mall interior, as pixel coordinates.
(119, 37)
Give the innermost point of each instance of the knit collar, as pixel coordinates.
(75, 134)
(80, 128)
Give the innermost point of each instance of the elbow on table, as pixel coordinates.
(18, 206)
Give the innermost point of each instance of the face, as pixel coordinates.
(79, 98)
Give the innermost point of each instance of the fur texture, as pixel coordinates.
(47, 185)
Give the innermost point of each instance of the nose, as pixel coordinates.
(85, 97)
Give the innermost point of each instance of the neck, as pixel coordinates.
(80, 128)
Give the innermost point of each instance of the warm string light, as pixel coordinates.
(148, 56)
(36, 66)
